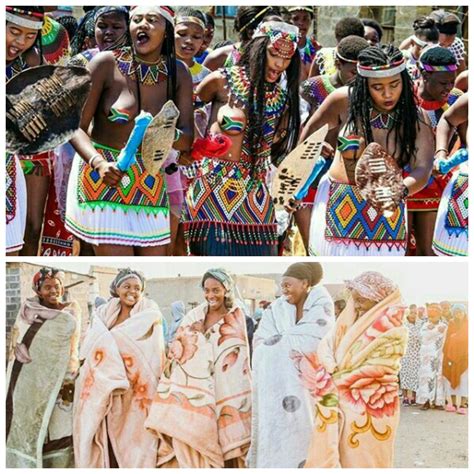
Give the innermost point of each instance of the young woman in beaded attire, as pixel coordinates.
(22, 35)
(127, 213)
(380, 107)
(228, 209)
(435, 93)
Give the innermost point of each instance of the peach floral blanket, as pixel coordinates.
(357, 407)
(117, 381)
(202, 408)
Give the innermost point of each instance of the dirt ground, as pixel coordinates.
(432, 438)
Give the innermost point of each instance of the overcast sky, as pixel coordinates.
(419, 282)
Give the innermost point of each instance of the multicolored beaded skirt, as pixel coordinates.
(452, 222)
(134, 213)
(227, 212)
(344, 224)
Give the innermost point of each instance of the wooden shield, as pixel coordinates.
(159, 137)
(296, 168)
(44, 106)
(379, 179)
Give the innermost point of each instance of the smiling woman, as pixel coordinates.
(122, 355)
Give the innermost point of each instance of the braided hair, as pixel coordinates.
(254, 59)
(405, 111)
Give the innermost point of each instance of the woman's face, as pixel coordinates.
(411, 317)
(19, 39)
(109, 28)
(276, 65)
(147, 30)
(51, 292)
(214, 294)
(294, 290)
(446, 40)
(458, 314)
(385, 91)
(130, 292)
(208, 37)
(189, 38)
(371, 36)
(439, 84)
(361, 304)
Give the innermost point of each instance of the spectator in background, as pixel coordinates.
(373, 31)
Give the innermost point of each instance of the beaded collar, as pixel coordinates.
(147, 74)
(383, 120)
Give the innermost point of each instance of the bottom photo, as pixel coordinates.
(249, 364)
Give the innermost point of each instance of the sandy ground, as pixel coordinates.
(432, 438)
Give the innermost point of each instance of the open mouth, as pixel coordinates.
(13, 52)
(273, 75)
(188, 49)
(142, 38)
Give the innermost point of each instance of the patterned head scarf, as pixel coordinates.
(458, 307)
(125, 274)
(45, 273)
(225, 280)
(372, 285)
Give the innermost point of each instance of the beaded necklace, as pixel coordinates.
(147, 74)
(239, 86)
(15, 67)
(382, 120)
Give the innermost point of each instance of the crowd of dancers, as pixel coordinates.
(243, 107)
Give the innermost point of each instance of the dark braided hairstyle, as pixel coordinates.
(248, 18)
(406, 124)
(254, 59)
(437, 56)
(38, 44)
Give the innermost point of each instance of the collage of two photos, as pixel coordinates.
(155, 155)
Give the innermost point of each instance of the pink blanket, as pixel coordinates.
(117, 381)
(356, 376)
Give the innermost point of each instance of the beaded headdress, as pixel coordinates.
(386, 70)
(166, 12)
(12, 15)
(45, 273)
(283, 36)
(189, 19)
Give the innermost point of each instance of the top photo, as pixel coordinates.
(236, 131)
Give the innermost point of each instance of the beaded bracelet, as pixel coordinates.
(441, 149)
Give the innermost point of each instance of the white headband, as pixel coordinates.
(381, 72)
(419, 42)
(20, 21)
(156, 9)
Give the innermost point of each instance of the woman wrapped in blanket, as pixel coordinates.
(285, 345)
(356, 379)
(23, 50)
(122, 358)
(379, 106)
(128, 213)
(42, 366)
(202, 408)
(228, 209)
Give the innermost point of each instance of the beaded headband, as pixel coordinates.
(166, 12)
(432, 68)
(189, 19)
(258, 15)
(346, 60)
(296, 9)
(387, 70)
(283, 36)
(24, 22)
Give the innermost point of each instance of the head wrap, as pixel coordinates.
(458, 307)
(311, 271)
(372, 285)
(125, 274)
(45, 273)
(110, 9)
(12, 15)
(387, 70)
(283, 36)
(225, 280)
(166, 12)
